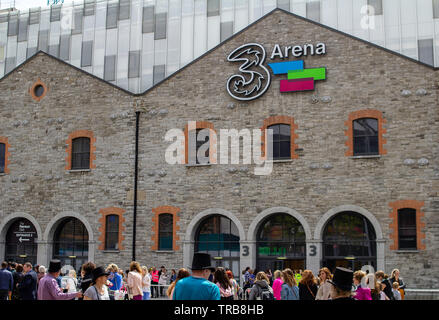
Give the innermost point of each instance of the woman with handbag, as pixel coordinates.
(98, 289)
(308, 286)
(134, 281)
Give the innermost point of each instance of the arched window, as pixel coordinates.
(81, 153)
(166, 223)
(407, 239)
(365, 136)
(281, 141)
(112, 232)
(2, 157)
(201, 138)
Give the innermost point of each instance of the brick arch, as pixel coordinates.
(4, 140)
(411, 204)
(80, 134)
(212, 139)
(281, 120)
(104, 213)
(155, 227)
(368, 113)
(32, 89)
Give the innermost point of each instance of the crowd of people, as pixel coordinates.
(202, 282)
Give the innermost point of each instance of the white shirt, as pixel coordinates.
(146, 282)
(71, 284)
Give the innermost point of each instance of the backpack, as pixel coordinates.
(265, 294)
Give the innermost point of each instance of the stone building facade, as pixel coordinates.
(322, 178)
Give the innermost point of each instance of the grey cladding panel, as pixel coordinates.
(148, 19)
(110, 68)
(425, 51)
(134, 64)
(22, 28)
(213, 8)
(77, 22)
(283, 4)
(87, 54)
(64, 49)
(43, 40)
(160, 26)
(124, 9)
(112, 14)
(13, 25)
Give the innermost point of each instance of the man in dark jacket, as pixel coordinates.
(6, 282)
(28, 287)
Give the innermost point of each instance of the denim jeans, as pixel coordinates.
(146, 295)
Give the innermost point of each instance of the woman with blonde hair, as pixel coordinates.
(394, 277)
(324, 292)
(261, 288)
(308, 286)
(277, 284)
(289, 290)
(182, 273)
(134, 281)
(146, 283)
(72, 281)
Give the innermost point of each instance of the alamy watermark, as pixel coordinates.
(201, 145)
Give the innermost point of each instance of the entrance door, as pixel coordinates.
(280, 243)
(349, 241)
(218, 236)
(20, 242)
(70, 243)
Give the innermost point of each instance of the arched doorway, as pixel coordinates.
(219, 236)
(20, 242)
(70, 243)
(280, 243)
(349, 240)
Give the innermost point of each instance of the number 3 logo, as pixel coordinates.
(245, 253)
(254, 79)
(313, 250)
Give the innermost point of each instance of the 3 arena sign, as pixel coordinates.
(254, 78)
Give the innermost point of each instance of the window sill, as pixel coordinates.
(78, 170)
(110, 251)
(407, 251)
(198, 165)
(280, 161)
(375, 156)
(164, 251)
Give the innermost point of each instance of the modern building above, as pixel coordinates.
(137, 43)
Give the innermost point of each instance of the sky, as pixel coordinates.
(26, 4)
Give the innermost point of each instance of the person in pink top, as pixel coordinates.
(362, 292)
(48, 288)
(277, 284)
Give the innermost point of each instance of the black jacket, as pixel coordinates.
(28, 287)
(388, 289)
(86, 282)
(305, 294)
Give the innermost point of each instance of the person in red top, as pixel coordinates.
(154, 283)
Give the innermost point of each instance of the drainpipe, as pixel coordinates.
(136, 169)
